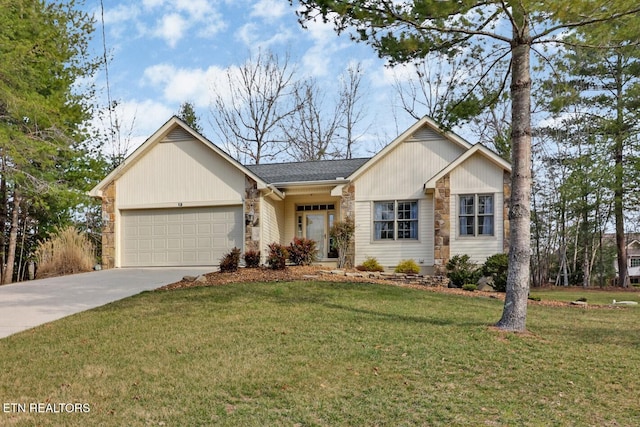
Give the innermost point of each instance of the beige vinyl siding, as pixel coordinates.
(389, 253)
(402, 173)
(272, 217)
(477, 175)
(178, 170)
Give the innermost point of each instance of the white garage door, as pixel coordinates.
(179, 237)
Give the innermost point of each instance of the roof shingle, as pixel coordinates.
(319, 170)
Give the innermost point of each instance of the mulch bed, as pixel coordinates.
(302, 273)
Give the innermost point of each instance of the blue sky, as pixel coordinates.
(165, 52)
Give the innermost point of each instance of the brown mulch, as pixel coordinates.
(296, 273)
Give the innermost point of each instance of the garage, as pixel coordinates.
(179, 236)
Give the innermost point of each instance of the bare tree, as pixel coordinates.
(250, 106)
(310, 132)
(353, 112)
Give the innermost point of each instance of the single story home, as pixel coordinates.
(180, 200)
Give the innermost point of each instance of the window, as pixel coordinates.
(395, 220)
(475, 216)
(635, 262)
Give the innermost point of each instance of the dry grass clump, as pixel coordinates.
(68, 252)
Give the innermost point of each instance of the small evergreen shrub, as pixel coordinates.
(277, 258)
(252, 258)
(469, 287)
(302, 251)
(229, 263)
(460, 270)
(370, 264)
(496, 266)
(407, 266)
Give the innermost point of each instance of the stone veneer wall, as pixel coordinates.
(251, 204)
(348, 209)
(506, 193)
(442, 225)
(108, 226)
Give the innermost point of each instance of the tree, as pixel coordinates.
(600, 89)
(44, 48)
(188, 114)
(506, 31)
(352, 110)
(250, 106)
(310, 131)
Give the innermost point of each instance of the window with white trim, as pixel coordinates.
(476, 215)
(635, 262)
(395, 220)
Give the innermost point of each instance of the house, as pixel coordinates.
(181, 200)
(633, 255)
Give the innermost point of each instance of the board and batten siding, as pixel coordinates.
(390, 253)
(180, 169)
(402, 172)
(477, 175)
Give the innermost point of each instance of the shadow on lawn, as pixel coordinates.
(402, 318)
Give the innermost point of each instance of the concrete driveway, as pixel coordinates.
(25, 305)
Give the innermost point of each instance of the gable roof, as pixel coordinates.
(423, 122)
(478, 148)
(310, 171)
(172, 124)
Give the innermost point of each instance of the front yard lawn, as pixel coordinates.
(326, 354)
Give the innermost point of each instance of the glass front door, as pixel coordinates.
(315, 229)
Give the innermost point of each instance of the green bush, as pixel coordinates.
(277, 258)
(370, 264)
(302, 251)
(460, 271)
(470, 287)
(229, 263)
(496, 266)
(252, 259)
(407, 266)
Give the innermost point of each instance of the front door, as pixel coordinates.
(314, 222)
(315, 229)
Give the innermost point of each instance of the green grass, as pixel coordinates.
(592, 295)
(324, 354)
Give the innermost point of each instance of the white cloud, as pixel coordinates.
(269, 9)
(171, 28)
(317, 61)
(182, 84)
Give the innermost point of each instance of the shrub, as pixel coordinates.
(470, 287)
(302, 251)
(342, 233)
(229, 263)
(277, 258)
(67, 252)
(407, 266)
(370, 264)
(460, 270)
(252, 258)
(496, 266)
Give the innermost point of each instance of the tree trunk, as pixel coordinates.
(13, 240)
(618, 191)
(514, 314)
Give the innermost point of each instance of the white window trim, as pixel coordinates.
(395, 221)
(476, 216)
